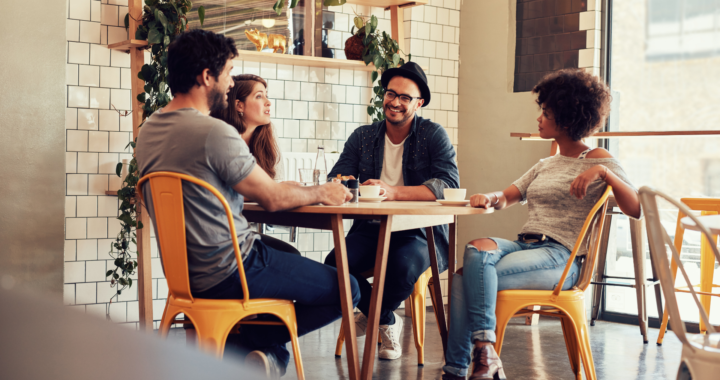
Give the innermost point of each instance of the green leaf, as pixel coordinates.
(396, 59)
(166, 40)
(334, 3)
(155, 36)
(141, 97)
(160, 16)
(127, 21)
(373, 24)
(108, 273)
(201, 15)
(358, 23)
(371, 110)
(293, 4)
(130, 282)
(118, 169)
(378, 61)
(116, 276)
(374, 76)
(278, 7)
(141, 33)
(379, 104)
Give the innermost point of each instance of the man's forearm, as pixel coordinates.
(414, 193)
(291, 196)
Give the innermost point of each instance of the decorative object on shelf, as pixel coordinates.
(162, 21)
(280, 4)
(262, 40)
(378, 48)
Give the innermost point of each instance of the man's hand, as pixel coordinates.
(334, 194)
(579, 186)
(480, 201)
(390, 191)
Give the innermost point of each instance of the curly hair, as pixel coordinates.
(194, 51)
(578, 100)
(262, 142)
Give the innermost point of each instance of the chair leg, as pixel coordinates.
(658, 289)
(707, 266)
(502, 316)
(417, 305)
(572, 345)
(600, 273)
(576, 314)
(340, 342)
(638, 252)
(292, 329)
(664, 324)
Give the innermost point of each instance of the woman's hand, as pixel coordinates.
(579, 186)
(480, 201)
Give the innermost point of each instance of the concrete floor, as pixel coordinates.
(529, 352)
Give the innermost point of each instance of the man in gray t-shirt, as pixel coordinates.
(183, 138)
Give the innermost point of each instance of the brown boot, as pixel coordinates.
(486, 364)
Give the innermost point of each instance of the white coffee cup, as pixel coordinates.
(454, 194)
(372, 191)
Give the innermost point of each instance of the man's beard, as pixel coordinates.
(216, 100)
(406, 116)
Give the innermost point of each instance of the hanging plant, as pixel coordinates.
(162, 21)
(280, 4)
(380, 49)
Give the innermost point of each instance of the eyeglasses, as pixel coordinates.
(404, 99)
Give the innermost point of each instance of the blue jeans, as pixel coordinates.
(275, 273)
(513, 265)
(408, 258)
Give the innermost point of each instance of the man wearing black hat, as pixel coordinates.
(413, 160)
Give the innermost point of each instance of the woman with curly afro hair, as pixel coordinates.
(560, 192)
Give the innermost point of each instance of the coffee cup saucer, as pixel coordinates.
(446, 202)
(371, 199)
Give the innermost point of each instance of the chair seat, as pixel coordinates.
(698, 340)
(228, 304)
(536, 297)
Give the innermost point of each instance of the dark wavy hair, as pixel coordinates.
(578, 100)
(262, 142)
(194, 51)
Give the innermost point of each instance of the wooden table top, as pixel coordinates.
(712, 222)
(384, 208)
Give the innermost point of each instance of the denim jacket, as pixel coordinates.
(428, 159)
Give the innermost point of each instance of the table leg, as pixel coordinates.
(348, 321)
(442, 324)
(371, 334)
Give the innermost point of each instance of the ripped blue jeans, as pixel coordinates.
(513, 265)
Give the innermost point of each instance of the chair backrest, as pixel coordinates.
(167, 199)
(590, 236)
(659, 241)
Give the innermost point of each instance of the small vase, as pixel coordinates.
(354, 48)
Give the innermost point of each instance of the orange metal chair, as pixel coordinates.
(568, 305)
(417, 310)
(213, 319)
(706, 206)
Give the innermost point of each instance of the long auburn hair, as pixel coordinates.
(262, 142)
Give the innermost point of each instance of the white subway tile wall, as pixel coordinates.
(312, 106)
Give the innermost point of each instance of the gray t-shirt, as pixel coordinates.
(188, 142)
(553, 211)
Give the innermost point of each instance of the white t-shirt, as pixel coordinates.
(392, 163)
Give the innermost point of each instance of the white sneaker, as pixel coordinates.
(360, 324)
(391, 348)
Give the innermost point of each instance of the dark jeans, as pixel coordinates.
(408, 258)
(273, 273)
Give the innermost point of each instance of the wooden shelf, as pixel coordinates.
(111, 193)
(301, 60)
(603, 135)
(127, 44)
(388, 3)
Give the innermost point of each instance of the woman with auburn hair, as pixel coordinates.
(560, 192)
(249, 112)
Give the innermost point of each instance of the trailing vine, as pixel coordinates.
(162, 21)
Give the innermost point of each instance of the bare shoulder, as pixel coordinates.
(599, 153)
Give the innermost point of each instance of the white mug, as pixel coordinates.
(454, 194)
(371, 191)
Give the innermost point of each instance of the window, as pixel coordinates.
(682, 29)
(665, 76)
